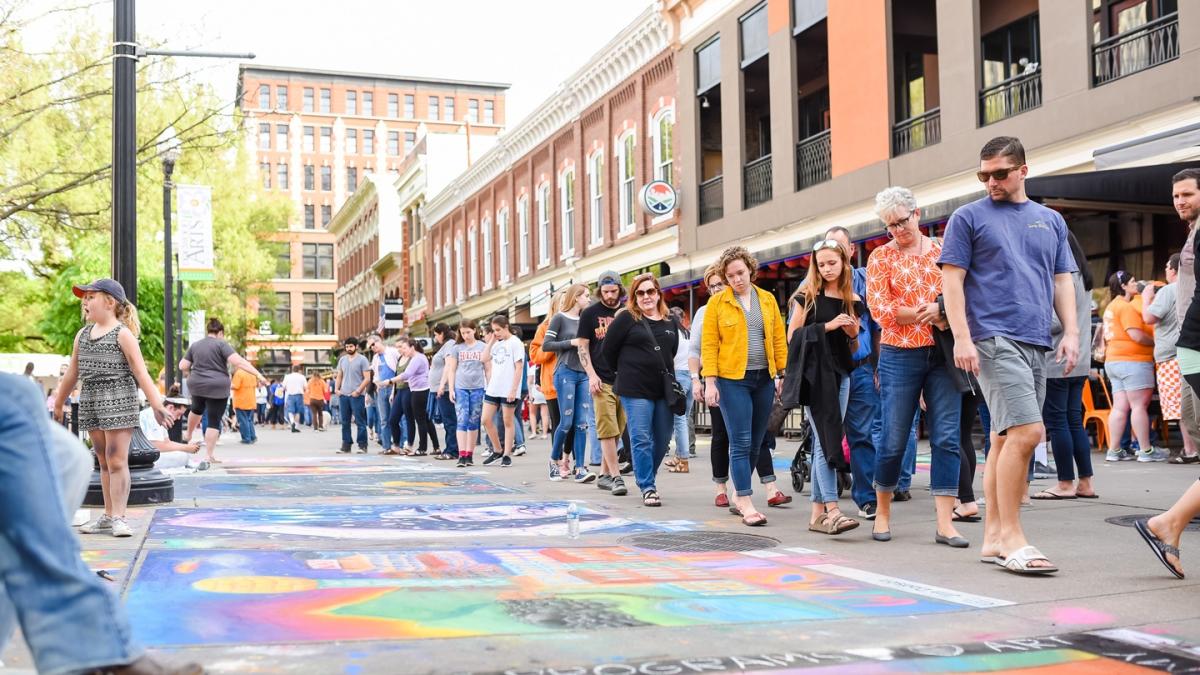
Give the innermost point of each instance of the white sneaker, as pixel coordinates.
(120, 528)
(519, 451)
(102, 524)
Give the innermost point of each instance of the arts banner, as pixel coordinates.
(195, 232)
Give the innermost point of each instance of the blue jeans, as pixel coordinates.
(1062, 413)
(574, 408)
(594, 453)
(909, 466)
(449, 419)
(862, 415)
(682, 436)
(295, 405)
(649, 424)
(745, 407)
(245, 420)
(383, 411)
(69, 619)
(468, 408)
(353, 410)
(400, 418)
(903, 375)
(824, 477)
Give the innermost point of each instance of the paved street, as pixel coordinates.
(290, 558)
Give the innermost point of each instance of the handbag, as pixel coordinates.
(675, 395)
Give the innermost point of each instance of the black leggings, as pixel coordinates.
(419, 401)
(213, 407)
(764, 463)
(966, 447)
(555, 417)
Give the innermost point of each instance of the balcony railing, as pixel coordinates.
(756, 182)
(814, 162)
(1010, 97)
(1134, 51)
(712, 200)
(917, 132)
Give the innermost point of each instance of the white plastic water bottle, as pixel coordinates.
(573, 520)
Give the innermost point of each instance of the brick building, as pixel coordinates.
(317, 135)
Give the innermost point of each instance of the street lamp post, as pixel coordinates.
(170, 152)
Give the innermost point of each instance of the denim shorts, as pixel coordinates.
(1130, 375)
(497, 401)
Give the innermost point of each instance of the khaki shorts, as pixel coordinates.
(610, 416)
(1013, 378)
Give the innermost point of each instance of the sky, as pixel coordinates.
(531, 44)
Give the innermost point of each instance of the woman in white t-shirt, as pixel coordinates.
(502, 358)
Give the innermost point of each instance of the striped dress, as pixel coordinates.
(756, 340)
(108, 393)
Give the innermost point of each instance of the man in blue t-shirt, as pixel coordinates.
(1006, 268)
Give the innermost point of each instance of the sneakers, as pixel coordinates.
(470, 460)
(506, 462)
(583, 476)
(493, 458)
(101, 524)
(362, 449)
(867, 512)
(1041, 470)
(345, 449)
(618, 487)
(462, 462)
(1119, 456)
(1154, 455)
(626, 468)
(554, 473)
(295, 430)
(120, 528)
(901, 496)
(519, 451)
(605, 482)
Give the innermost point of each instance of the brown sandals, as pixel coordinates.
(833, 522)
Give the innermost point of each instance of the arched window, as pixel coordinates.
(596, 197)
(543, 209)
(523, 232)
(626, 173)
(663, 133)
(487, 253)
(502, 225)
(566, 186)
(460, 287)
(473, 260)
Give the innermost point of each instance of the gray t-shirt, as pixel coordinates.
(1083, 319)
(1166, 331)
(209, 376)
(559, 334)
(352, 369)
(469, 373)
(438, 365)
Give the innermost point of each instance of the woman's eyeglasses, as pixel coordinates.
(899, 223)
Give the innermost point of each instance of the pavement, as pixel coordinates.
(291, 558)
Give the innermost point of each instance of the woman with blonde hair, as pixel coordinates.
(571, 383)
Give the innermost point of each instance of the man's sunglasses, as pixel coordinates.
(998, 174)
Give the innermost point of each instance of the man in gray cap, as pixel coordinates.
(610, 417)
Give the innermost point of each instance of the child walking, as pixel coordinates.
(108, 362)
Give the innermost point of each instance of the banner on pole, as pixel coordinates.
(195, 232)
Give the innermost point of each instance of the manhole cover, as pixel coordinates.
(1127, 521)
(699, 542)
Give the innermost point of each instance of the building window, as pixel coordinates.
(596, 197)
(326, 216)
(664, 152)
(318, 313)
(625, 160)
(502, 225)
(368, 142)
(318, 261)
(308, 99)
(473, 260)
(264, 136)
(281, 137)
(368, 107)
(352, 141)
(448, 113)
(326, 178)
(446, 271)
(281, 176)
(351, 102)
(326, 139)
(410, 139)
(489, 112)
(281, 98)
(310, 177)
(283, 259)
(310, 217)
(523, 233)
(487, 253)
(459, 286)
(473, 110)
(393, 143)
(433, 108)
(281, 314)
(309, 144)
(326, 100)
(437, 280)
(264, 96)
(543, 235)
(393, 105)
(351, 179)
(264, 171)
(567, 200)
(409, 106)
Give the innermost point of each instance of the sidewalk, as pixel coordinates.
(291, 558)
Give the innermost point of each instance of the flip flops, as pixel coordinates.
(1048, 495)
(1161, 548)
(1018, 562)
(962, 518)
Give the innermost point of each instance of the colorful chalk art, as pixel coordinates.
(354, 484)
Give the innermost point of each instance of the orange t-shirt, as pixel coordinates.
(315, 391)
(897, 280)
(1119, 316)
(243, 387)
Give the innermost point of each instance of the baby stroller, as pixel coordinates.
(802, 463)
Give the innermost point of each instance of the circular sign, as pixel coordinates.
(658, 198)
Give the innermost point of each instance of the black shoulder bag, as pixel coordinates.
(676, 396)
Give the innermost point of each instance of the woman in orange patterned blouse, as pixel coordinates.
(903, 285)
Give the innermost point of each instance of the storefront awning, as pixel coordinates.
(1148, 185)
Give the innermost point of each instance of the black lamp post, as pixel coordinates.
(169, 151)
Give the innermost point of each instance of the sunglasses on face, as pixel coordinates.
(828, 244)
(998, 174)
(647, 293)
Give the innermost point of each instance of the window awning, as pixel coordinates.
(1149, 185)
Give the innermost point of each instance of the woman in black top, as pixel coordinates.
(826, 302)
(640, 360)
